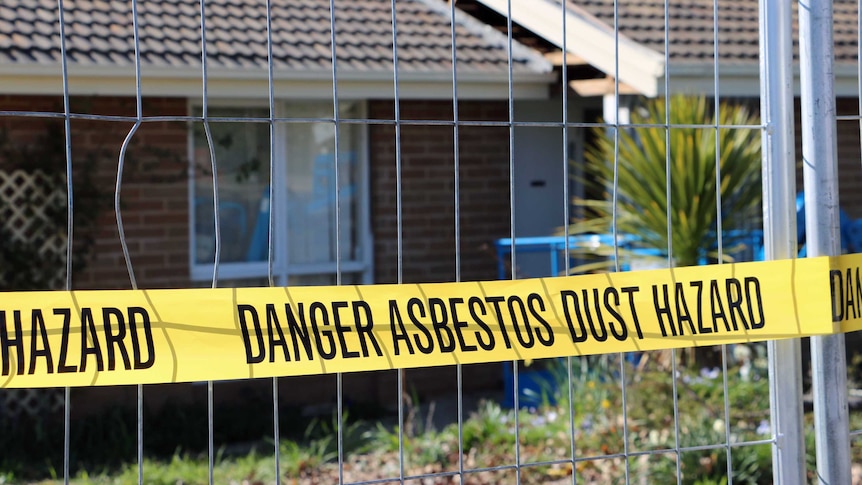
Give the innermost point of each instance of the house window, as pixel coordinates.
(313, 227)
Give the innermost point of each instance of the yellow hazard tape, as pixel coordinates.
(84, 338)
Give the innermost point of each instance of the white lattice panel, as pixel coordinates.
(26, 201)
(33, 402)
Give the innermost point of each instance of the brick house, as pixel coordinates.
(166, 192)
(158, 217)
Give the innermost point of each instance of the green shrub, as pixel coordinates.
(643, 197)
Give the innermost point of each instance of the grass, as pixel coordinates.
(595, 425)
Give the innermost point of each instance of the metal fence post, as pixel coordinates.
(779, 227)
(820, 171)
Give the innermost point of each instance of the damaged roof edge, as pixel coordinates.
(535, 61)
(588, 38)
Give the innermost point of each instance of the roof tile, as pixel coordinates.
(101, 32)
(691, 33)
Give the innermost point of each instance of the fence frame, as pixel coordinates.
(820, 175)
(779, 229)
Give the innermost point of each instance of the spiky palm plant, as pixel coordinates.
(642, 182)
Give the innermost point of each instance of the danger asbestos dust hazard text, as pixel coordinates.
(84, 338)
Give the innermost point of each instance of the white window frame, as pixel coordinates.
(363, 266)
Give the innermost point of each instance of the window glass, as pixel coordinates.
(311, 186)
(318, 205)
(242, 158)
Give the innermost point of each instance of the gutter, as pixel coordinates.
(743, 80)
(248, 83)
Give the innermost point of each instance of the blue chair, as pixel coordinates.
(258, 244)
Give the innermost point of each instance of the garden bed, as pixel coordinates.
(596, 427)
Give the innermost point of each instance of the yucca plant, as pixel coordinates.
(642, 200)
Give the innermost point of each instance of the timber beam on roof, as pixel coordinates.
(588, 38)
(600, 87)
(556, 58)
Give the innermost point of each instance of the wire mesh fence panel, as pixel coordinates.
(349, 145)
(846, 134)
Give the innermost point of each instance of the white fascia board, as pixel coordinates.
(698, 79)
(743, 80)
(588, 38)
(253, 83)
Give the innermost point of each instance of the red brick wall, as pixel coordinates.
(154, 194)
(849, 157)
(849, 160)
(428, 191)
(155, 190)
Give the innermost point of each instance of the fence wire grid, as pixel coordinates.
(426, 140)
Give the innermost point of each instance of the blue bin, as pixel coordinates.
(535, 387)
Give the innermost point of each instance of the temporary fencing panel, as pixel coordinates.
(352, 177)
